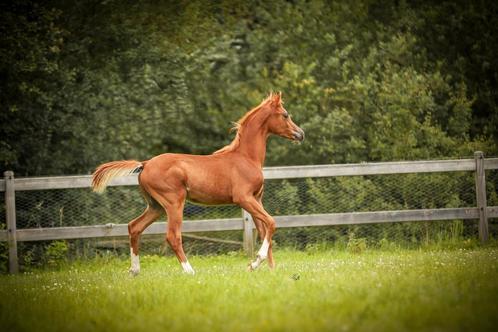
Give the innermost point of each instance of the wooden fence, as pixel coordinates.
(478, 165)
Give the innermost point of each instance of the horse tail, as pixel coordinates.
(108, 171)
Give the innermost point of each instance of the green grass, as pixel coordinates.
(442, 290)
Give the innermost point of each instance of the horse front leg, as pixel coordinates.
(262, 231)
(255, 208)
(260, 227)
(174, 236)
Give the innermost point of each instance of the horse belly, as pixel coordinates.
(208, 197)
(207, 191)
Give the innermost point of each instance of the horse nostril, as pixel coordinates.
(299, 135)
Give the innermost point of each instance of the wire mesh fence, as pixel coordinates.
(300, 196)
(373, 193)
(492, 197)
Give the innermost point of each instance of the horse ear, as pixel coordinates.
(277, 98)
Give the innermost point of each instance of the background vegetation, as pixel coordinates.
(83, 82)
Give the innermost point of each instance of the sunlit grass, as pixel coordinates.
(321, 290)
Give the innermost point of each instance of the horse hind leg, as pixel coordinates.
(135, 228)
(173, 203)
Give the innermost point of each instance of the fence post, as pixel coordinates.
(248, 238)
(10, 213)
(481, 196)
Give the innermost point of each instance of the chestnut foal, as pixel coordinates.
(231, 175)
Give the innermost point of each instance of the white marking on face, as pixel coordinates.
(187, 268)
(263, 251)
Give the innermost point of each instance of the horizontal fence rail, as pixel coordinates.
(9, 185)
(232, 224)
(285, 172)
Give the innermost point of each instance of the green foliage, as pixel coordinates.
(385, 244)
(84, 82)
(356, 245)
(56, 253)
(87, 82)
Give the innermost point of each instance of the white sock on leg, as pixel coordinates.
(187, 268)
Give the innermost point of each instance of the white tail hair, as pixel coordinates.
(108, 171)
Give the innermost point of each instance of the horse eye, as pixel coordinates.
(286, 115)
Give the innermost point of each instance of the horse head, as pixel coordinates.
(279, 121)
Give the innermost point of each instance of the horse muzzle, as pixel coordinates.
(298, 135)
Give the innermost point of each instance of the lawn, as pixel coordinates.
(440, 290)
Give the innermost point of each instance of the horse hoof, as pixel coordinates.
(187, 268)
(190, 272)
(253, 265)
(133, 272)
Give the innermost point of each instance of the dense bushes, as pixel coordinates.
(87, 82)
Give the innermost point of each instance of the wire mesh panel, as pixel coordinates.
(492, 199)
(81, 207)
(52, 253)
(360, 237)
(118, 205)
(373, 193)
(4, 256)
(283, 197)
(77, 207)
(369, 193)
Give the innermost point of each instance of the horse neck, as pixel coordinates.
(253, 142)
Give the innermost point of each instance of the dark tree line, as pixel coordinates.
(83, 82)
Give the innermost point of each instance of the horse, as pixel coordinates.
(230, 175)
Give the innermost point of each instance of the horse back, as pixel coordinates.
(206, 179)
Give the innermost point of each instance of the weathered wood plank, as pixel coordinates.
(492, 211)
(110, 230)
(63, 182)
(77, 232)
(402, 167)
(480, 179)
(248, 238)
(491, 163)
(354, 218)
(10, 216)
(211, 239)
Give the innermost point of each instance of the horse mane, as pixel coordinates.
(242, 122)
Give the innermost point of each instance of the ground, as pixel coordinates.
(443, 290)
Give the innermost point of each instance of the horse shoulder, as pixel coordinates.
(247, 180)
(247, 170)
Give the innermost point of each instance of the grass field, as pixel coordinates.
(438, 290)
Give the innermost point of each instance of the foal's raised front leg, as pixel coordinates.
(259, 214)
(262, 232)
